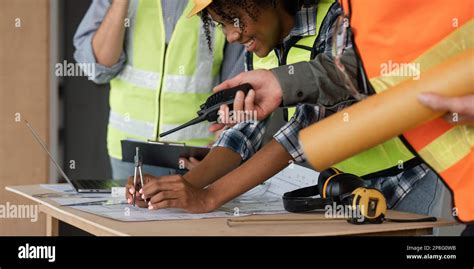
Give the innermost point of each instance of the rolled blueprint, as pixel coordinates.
(385, 115)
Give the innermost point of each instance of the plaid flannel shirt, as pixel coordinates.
(245, 138)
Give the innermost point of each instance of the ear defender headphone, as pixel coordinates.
(337, 188)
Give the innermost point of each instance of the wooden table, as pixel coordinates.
(101, 226)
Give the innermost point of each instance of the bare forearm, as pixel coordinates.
(107, 42)
(271, 159)
(217, 163)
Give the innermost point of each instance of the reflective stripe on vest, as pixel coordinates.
(392, 153)
(162, 86)
(140, 78)
(136, 128)
(446, 148)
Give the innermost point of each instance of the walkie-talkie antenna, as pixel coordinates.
(189, 123)
(210, 109)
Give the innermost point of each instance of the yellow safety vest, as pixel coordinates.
(162, 86)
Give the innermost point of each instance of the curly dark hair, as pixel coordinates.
(226, 9)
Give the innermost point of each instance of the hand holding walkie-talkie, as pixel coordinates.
(210, 109)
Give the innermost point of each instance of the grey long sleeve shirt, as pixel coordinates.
(232, 64)
(315, 82)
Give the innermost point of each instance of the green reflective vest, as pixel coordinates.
(390, 154)
(162, 86)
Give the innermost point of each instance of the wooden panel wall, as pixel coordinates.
(24, 89)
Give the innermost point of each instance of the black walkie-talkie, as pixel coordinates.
(209, 110)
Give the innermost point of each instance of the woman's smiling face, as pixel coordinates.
(259, 35)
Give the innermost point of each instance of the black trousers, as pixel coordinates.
(469, 231)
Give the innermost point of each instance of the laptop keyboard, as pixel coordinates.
(98, 184)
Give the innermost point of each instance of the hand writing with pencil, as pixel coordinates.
(130, 190)
(170, 192)
(175, 192)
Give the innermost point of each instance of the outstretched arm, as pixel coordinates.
(176, 192)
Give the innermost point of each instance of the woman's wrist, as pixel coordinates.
(121, 3)
(211, 199)
(120, 8)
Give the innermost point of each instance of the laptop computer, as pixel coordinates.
(80, 185)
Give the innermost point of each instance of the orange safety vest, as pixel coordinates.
(421, 34)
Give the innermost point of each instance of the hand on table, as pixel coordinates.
(130, 190)
(175, 192)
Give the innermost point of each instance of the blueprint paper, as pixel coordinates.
(263, 199)
(125, 212)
